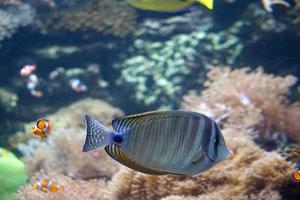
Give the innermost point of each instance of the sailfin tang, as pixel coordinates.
(96, 134)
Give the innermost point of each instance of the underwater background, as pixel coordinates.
(238, 63)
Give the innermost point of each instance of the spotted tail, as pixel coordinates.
(97, 135)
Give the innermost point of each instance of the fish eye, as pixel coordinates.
(118, 139)
(41, 123)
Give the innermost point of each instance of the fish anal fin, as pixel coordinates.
(119, 155)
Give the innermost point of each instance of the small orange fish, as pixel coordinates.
(42, 128)
(48, 185)
(296, 176)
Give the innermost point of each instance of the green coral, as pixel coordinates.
(160, 71)
(8, 99)
(12, 174)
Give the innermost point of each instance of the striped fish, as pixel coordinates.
(160, 142)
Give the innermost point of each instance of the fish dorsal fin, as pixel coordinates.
(119, 155)
(126, 122)
(207, 3)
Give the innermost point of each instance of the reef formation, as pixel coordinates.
(253, 173)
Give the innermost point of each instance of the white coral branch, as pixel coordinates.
(269, 3)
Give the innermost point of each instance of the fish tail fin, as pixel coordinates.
(97, 135)
(207, 3)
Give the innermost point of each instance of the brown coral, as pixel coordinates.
(252, 174)
(249, 100)
(104, 16)
(73, 189)
(62, 150)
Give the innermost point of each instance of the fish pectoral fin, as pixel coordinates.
(198, 156)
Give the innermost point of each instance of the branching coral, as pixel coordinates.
(159, 71)
(13, 17)
(269, 3)
(104, 16)
(62, 150)
(73, 189)
(245, 99)
(8, 100)
(239, 107)
(190, 45)
(252, 173)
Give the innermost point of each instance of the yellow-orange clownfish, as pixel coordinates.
(42, 128)
(48, 185)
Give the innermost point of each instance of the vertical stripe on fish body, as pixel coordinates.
(48, 185)
(160, 142)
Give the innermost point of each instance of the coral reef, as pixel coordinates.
(189, 43)
(61, 152)
(103, 16)
(73, 189)
(12, 174)
(252, 173)
(8, 100)
(13, 17)
(249, 100)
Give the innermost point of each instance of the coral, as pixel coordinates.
(240, 109)
(13, 17)
(292, 153)
(190, 44)
(147, 68)
(269, 3)
(103, 16)
(61, 152)
(73, 189)
(249, 100)
(252, 174)
(12, 174)
(8, 100)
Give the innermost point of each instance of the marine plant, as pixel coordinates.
(12, 174)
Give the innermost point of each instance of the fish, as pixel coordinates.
(26, 70)
(77, 85)
(160, 142)
(48, 185)
(42, 128)
(168, 5)
(296, 176)
(32, 83)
